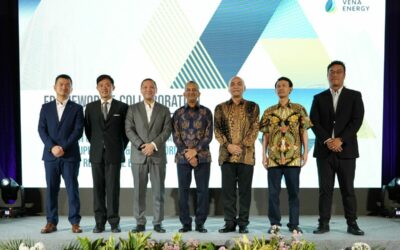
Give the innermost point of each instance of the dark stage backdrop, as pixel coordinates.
(10, 163)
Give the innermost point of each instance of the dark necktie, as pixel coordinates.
(105, 110)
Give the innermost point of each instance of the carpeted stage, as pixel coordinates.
(379, 231)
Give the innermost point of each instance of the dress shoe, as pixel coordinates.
(139, 228)
(227, 229)
(201, 229)
(115, 229)
(98, 229)
(49, 228)
(243, 230)
(185, 228)
(159, 229)
(274, 229)
(295, 228)
(76, 229)
(354, 229)
(322, 228)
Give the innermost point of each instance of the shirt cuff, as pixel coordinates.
(155, 146)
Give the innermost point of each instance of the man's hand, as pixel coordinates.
(234, 149)
(304, 159)
(57, 151)
(193, 162)
(335, 144)
(265, 162)
(190, 154)
(147, 149)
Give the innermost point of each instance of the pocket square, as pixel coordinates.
(116, 115)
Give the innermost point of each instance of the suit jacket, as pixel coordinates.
(346, 121)
(140, 131)
(106, 134)
(65, 132)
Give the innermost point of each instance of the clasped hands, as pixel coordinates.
(147, 149)
(334, 144)
(57, 151)
(234, 149)
(190, 155)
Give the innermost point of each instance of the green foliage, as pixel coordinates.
(135, 241)
(14, 244)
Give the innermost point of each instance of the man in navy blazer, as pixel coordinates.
(337, 115)
(60, 128)
(105, 130)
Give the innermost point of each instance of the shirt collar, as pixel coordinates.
(230, 102)
(108, 101)
(289, 104)
(195, 107)
(63, 103)
(336, 92)
(149, 105)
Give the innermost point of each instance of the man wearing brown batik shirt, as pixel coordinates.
(236, 129)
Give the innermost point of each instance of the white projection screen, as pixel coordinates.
(173, 41)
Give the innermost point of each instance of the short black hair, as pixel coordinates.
(63, 76)
(284, 78)
(102, 77)
(336, 62)
(148, 79)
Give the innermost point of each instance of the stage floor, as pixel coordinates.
(379, 231)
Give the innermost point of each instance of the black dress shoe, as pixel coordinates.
(354, 229)
(201, 229)
(98, 229)
(185, 228)
(227, 229)
(322, 228)
(139, 228)
(292, 228)
(159, 229)
(296, 228)
(115, 229)
(243, 230)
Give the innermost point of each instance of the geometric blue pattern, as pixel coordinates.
(228, 39)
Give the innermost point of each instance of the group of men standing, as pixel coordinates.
(336, 116)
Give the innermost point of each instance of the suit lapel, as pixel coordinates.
(98, 111)
(153, 114)
(65, 113)
(329, 103)
(341, 100)
(142, 111)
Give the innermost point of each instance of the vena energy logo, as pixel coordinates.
(330, 6)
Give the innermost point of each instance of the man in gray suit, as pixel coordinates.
(148, 126)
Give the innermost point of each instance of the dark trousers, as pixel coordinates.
(69, 172)
(106, 188)
(236, 175)
(202, 177)
(345, 171)
(292, 181)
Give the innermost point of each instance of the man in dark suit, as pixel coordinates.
(148, 126)
(337, 115)
(60, 127)
(105, 130)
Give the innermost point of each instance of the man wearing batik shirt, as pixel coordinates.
(285, 148)
(192, 130)
(236, 129)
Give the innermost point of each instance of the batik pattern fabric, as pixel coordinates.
(284, 126)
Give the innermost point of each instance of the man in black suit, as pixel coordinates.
(105, 130)
(337, 115)
(60, 128)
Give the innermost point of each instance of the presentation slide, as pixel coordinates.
(208, 41)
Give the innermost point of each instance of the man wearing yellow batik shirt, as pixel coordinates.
(236, 129)
(285, 148)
